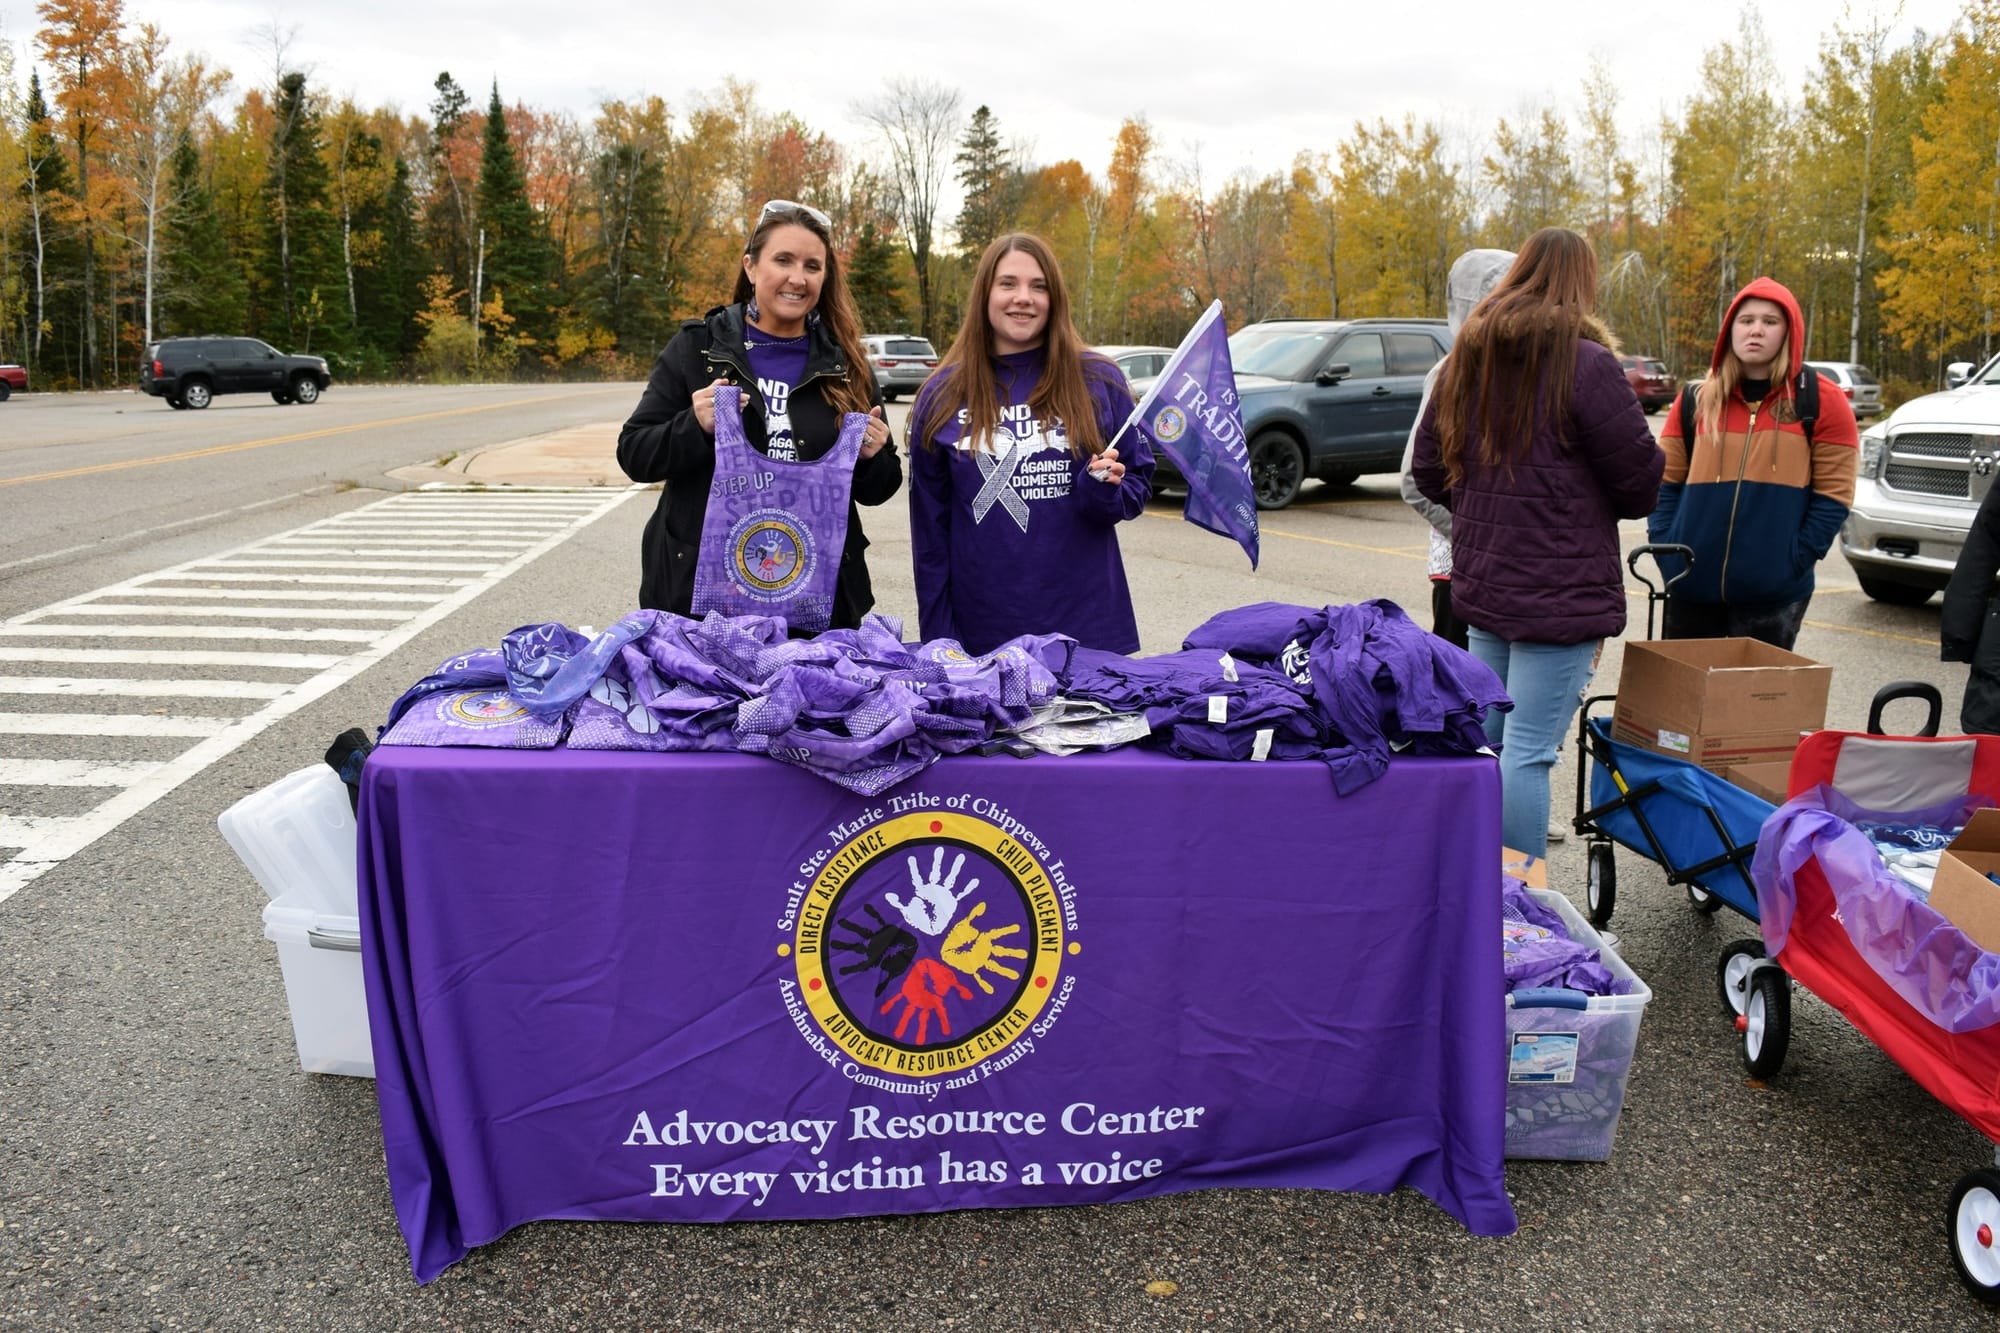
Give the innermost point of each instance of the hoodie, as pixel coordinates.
(1473, 274)
(1757, 502)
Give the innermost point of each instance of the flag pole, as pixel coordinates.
(1208, 317)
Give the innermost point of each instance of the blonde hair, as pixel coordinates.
(1722, 382)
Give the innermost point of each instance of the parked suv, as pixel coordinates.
(1651, 380)
(1326, 398)
(901, 362)
(1854, 381)
(12, 377)
(1923, 471)
(190, 372)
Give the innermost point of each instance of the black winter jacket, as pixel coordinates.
(662, 441)
(1967, 631)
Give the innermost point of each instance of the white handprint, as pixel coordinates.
(932, 907)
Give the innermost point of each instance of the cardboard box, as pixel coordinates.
(1961, 892)
(1532, 871)
(1719, 703)
(1766, 782)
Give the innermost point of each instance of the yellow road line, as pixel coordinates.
(1401, 553)
(1412, 553)
(213, 450)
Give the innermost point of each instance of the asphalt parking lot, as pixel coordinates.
(165, 1164)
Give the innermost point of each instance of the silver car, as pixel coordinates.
(1861, 388)
(1923, 471)
(1138, 363)
(901, 362)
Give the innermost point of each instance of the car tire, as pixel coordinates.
(197, 394)
(1341, 476)
(305, 389)
(280, 397)
(175, 403)
(1893, 593)
(6, 390)
(888, 395)
(1277, 469)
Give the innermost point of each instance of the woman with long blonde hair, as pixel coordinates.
(1016, 489)
(1760, 491)
(1536, 443)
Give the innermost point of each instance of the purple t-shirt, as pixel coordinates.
(1017, 538)
(778, 364)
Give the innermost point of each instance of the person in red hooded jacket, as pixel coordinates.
(1757, 501)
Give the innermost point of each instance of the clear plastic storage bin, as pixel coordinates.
(1568, 1056)
(321, 957)
(297, 837)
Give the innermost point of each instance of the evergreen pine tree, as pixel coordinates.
(201, 287)
(304, 305)
(872, 282)
(519, 265)
(991, 181)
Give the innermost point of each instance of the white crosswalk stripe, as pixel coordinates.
(382, 573)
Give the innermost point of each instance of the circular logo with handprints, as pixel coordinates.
(928, 944)
(770, 552)
(1169, 425)
(484, 708)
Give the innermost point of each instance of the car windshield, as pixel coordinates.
(1656, 367)
(1282, 353)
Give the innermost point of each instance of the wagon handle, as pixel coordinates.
(1907, 689)
(1655, 594)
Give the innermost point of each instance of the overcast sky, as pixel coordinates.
(1250, 83)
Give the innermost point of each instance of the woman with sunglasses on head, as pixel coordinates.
(1016, 489)
(788, 350)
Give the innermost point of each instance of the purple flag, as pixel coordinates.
(1191, 413)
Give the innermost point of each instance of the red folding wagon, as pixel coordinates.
(1836, 921)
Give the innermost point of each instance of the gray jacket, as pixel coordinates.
(1473, 274)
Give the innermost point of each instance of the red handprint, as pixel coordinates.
(924, 989)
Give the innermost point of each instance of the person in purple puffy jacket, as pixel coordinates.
(1536, 443)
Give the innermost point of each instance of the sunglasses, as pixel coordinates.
(785, 207)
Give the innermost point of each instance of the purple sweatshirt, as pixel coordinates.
(1018, 538)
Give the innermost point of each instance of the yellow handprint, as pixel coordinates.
(973, 951)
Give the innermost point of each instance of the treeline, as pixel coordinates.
(483, 240)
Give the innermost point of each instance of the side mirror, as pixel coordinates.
(1333, 374)
(1957, 373)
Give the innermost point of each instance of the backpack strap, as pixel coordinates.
(1805, 400)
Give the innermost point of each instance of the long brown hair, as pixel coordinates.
(965, 378)
(1511, 365)
(856, 393)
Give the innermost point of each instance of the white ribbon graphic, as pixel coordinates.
(998, 474)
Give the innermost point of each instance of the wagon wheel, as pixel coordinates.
(1701, 900)
(1732, 974)
(1972, 1221)
(1600, 884)
(1766, 1021)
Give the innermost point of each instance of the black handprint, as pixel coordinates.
(890, 948)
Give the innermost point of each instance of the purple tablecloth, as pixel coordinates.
(711, 988)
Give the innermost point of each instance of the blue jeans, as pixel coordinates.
(1546, 682)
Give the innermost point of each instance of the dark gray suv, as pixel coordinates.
(190, 372)
(1327, 398)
